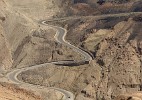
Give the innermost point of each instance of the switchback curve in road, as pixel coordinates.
(13, 77)
(60, 37)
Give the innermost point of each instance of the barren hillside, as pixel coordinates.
(24, 42)
(109, 31)
(115, 69)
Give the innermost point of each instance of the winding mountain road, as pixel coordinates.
(60, 37)
(13, 77)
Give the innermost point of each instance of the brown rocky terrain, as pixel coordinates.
(24, 42)
(29, 40)
(115, 70)
(92, 7)
(12, 92)
(114, 42)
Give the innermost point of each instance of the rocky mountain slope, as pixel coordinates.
(115, 70)
(93, 7)
(24, 42)
(114, 42)
(12, 92)
(25, 36)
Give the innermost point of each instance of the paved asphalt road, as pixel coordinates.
(12, 76)
(60, 37)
